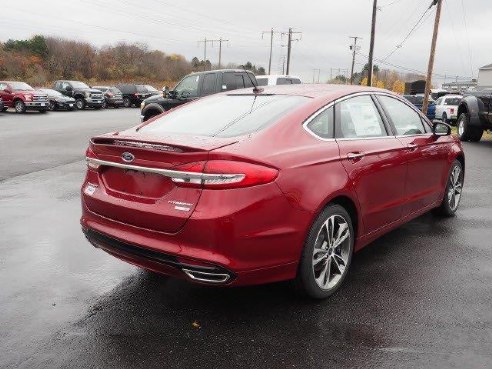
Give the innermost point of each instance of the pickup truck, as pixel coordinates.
(474, 115)
(194, 86)
(84, 95)
(22, 97)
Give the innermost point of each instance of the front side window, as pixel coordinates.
(406, 120)
(188, 87)
(208, 86)
(359, 118)
(322, 124)
(225, 115)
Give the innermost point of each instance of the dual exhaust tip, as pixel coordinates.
(207, 277)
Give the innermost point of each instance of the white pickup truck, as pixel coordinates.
(447, 108)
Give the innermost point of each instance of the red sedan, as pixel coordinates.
(252, 187)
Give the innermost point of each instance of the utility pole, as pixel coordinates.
(271, 32)
(289, 46)
(371, 48)
(318, 71)
(432, 54)
(354, 50)
(205, 41)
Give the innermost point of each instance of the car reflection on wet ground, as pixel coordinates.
(418, 297)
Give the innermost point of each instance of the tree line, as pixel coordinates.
(42, 60)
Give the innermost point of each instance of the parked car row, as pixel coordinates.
(71, 95)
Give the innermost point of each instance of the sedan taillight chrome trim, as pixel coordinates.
(176, 175)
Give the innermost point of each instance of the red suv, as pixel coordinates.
(22, 97)
(250, 187)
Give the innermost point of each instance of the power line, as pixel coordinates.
(467, 36)
(271, 32)
(289, 34)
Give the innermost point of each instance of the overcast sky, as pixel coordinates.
(176, 26)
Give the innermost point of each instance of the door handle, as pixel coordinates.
(411, 146)
(355, 155)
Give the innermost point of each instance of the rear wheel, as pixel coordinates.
(126, 102)
(444, 118)
(467, 132)
(327, 253)
(20, 107)
(454, 187)
(52, 106)
(104, 105)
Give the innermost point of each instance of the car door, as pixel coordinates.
(372, 157)
(208, 84)
(232, 81)
(6, 94)
(425, 154)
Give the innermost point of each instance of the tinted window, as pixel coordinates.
(452, 101)
(262, 81)
(232, 81)
(322, 124)
(406, 120)
(77, 84)
(208, 86)
(247, 77)
(188, 86)
(127, 89)
(284, 81)
(225, 115)
(359, 118)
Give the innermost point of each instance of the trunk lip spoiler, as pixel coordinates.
(176, 175)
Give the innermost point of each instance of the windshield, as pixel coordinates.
(150, 88)
(141, 88)
(51, 92)
(20, 86)
(76, 84)
(188, 85)
(226, 115)
(452, 101)
(115, 90)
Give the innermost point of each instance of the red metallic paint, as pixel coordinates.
(258, 232)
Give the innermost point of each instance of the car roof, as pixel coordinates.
(310, 90)
(223, 70)
(277, 76)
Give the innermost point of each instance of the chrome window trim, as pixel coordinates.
(174, 174)
(319, 111)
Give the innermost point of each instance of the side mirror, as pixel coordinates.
(69, 89)
(185, 94)
(165, 89)
(440, 128)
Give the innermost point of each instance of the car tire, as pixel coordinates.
(80, 103)
(326, 252)
(453, 191)
(444, 118)
(20, 107)
(127, 103)
(44, 111)
(104, 105)
(5, 109)
(466, 132)
(52, 106)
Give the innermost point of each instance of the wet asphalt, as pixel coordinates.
(419, 297)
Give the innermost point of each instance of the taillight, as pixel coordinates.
(89, 154)
(451, 110)
(109, 94)
(224, 174)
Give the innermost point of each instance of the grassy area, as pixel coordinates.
(487, 135)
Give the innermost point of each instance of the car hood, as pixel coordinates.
(155, 99)
(91, 90)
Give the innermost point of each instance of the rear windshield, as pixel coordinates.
(115, 90)
(226, 115)
(452, 101)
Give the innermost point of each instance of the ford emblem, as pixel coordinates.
(128, 157)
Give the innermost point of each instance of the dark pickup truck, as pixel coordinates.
(194, 86)
(84, 95)
(475, 115)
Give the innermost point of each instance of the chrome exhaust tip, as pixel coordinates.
(207, 277)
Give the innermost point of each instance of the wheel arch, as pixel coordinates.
(471, 105)
(153, 108)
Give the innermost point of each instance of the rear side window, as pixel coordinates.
(225, 115)
(262, 81)
(322, 124)
(247, 80)
(358, 117)
(452, 101)
(288, 81)
(407, 121)
(232, 81)
(208, 86)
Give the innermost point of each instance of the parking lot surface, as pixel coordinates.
(420, 297)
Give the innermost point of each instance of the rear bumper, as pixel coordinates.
(251, 243)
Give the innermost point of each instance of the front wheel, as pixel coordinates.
(327, 253)
(104, 105)
(444, 118)
(20, 107)
(52, 106)
(126, 102)
(80, 103)
(466, 132)
(454, 187)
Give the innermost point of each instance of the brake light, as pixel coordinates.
(110, 94)
(89, 154)
(224, 174)
(451, 110)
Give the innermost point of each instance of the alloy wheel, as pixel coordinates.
(455, 187)
(331, 252)
(19, 106)
(461, 127)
